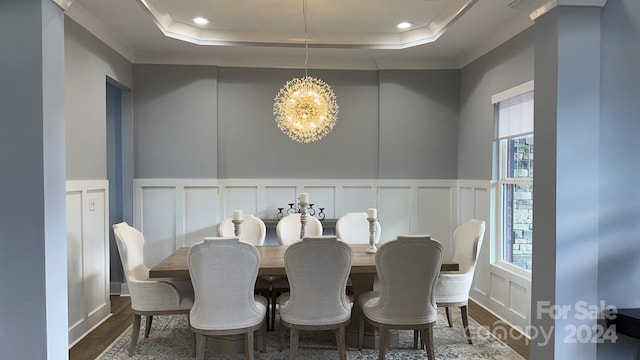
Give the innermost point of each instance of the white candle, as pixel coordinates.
(304, 197)
(237, 214)
(372, 213)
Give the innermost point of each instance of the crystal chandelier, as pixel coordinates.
(305, 108)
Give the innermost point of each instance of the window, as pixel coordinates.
(514, 115)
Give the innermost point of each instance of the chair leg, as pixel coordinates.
(361, 331)
(264, 336)
(418, 339)
(134, 333)
(340, 339)
(465, 323)
(447, 311)
(201, 341)
(428, 341)
(193, 337)
(281, 346)
(248, 345)
(147, 327)
(293, 343)
(383, 343)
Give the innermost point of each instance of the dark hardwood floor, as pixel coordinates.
(497, 327)
(98, 340)
(95, 342)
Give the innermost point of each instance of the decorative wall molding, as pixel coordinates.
(536, 8)
(505, 293)
(63, 4)
(178, 212)
(87, 256)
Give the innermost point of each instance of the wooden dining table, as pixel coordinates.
(272, 262)
(363, 271)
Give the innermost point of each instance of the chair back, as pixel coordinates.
(317, 269)
(252, 229)
(353, 228)
(467, 241)
(407, 268)
(288, 228)
(223, 272)
(130, 243)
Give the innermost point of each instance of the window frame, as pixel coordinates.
(503, 180)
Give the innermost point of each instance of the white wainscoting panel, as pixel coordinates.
(243, 198)
(518, 299)
(200, 213)
(87, 256)
(395, 210)
(504, 293)
(178, 212)
(323, 196)
(159, 223)
(498, 289)
(436, 215)
(276, 197)
(357, 198)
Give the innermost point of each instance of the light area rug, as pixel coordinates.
(171, 339)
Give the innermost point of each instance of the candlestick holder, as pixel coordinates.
(303, 218)
(293, 209)
(236, 227)
(372, 236)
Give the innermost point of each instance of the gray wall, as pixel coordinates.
(619, 248)
(88, 63)
(419, 124)
(508, 65)
(175, 121)
(33, 266)
(251, 146)
(208, 122)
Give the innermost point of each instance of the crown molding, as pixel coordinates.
(535, 8)
(85, 19)
(63, 4)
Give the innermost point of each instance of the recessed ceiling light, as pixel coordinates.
(404, 25)
(200, 20)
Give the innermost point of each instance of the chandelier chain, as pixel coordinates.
(306, 37)
(305, 108)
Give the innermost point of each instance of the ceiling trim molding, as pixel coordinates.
(85, 19)
(451, 13)
(63, 4)
(536, 8)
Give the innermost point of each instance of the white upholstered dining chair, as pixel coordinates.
(317, 269)
(223, 272)
(353, 228)
(148, 297)
(452, 288)
(252, 231)
(288, 228)
(407, 268)
(288, 232)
